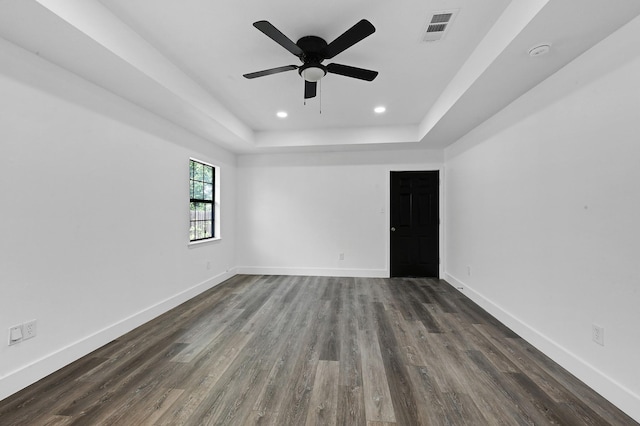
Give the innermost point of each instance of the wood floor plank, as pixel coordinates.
(351, 410)
(45, 397)
(240, 385)
(405, 338)
(462, 386)
(402, 395)
(323, 404)
(232, 396)
(430, 353)
(290, 350)
(290, 365)
(515, 403)
(205, 377)
(377, 396)
(148, 411)
(147, 395)
(299, 317)
(330, 350)
(261, 418)
(438, 294)
(56, 421)
(201, 336)
(465, 411)
(350, 359)
(429, 398)
(234, 399)
(522, 363)
(294, 404)
(103, 395)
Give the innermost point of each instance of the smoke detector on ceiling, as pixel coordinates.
(539, 50)
(438, 24)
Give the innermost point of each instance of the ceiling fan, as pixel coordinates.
(312, 51)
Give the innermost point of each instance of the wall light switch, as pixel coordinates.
(15, 334)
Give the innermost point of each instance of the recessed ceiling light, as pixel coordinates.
(379, 109)
(282, 114)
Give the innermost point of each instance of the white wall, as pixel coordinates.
(543, 204)
(94, 216)
(298, 212)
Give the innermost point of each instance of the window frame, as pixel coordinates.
(213, 202)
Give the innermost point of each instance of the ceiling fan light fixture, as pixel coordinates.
(313, 72)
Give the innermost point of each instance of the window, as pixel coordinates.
(202, 203)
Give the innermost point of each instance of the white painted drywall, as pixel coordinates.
(299, 211)
(94, 216)
(543, 203)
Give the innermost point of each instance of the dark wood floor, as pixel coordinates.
(309, 350)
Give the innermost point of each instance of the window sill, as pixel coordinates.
(200, 242)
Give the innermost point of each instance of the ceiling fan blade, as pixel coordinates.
(275, 34)
(354, 72)
(310, 89)
(270, 71)
(350, 37)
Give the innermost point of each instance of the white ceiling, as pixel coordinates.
(184, 61)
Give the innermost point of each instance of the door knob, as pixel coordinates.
(393, 229)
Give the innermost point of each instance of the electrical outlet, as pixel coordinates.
(29, 329)
(15, 334)
(208, 265)
(597, 334)
(468, 270)
(341, 256)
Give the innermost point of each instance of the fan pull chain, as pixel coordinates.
(320, 90)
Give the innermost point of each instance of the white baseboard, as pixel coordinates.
(31, 373)
(317, 272)
(616, 393)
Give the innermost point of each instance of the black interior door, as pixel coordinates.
(415, 224)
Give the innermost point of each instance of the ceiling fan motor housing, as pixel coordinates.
(313, 49)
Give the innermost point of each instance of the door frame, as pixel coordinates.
(441, 214)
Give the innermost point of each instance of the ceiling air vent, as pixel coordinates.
(438, 25)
